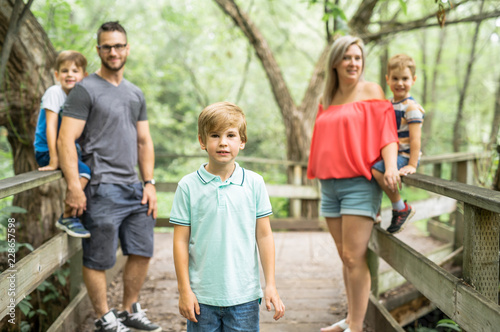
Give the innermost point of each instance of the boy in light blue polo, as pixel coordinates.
(221, 216)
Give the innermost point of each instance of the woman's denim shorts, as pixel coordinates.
(354, 196)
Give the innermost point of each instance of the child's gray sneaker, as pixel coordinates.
(110, 323)
(137, 320)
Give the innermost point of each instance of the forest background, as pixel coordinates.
(267, 56)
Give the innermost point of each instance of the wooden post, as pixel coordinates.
(296, 204)
(437, 170)
(75, 272)
(372, 260)
(461, 170)
(481, 246)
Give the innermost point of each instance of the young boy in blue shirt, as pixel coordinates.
(409, 118)
(221, 216)
(70, 68)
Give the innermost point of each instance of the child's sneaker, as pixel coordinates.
(110, 323)
(72, 226)
(137, 320)
(399, 218)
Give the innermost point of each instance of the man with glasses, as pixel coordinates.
(108, 114)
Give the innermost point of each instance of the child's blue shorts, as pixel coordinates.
(354, 196)
(43, 159)
(402, 162)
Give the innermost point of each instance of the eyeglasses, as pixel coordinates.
(108, 48)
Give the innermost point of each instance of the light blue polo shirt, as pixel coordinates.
(223, 255)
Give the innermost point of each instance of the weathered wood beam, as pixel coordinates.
(480, 197)
(454, 297)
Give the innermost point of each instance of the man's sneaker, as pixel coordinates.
(72, 226)
(110, 323)
(137, 320)
(399, 218)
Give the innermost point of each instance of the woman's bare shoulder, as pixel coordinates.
(370, 90)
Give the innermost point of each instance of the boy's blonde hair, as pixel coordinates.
(401, 61)
(220, 116)
(335, 56)
(72, 56)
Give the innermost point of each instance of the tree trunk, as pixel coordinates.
(495, 125)
(28, 75)
(429, 114)
(458, 130)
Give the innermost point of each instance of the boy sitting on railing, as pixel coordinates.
(409, 117)
(70, 68)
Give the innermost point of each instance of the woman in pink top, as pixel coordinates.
(354, 128)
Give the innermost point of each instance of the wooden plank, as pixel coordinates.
(453, 157)
(481, 197)
(290, 224)
(274, 190)
(480, 260)
(471, 310)
(264, 161)
(75, 313)
(390, 279)
(22, 182)
(293, 191)
(379, 319)
(32, 270)
(441, 231)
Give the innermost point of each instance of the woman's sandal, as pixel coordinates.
(342, 324)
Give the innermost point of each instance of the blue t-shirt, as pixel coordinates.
(53, 99)
(223, 253)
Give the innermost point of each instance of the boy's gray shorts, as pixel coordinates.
(114, 211)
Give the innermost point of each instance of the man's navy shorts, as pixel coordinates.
(114, 211)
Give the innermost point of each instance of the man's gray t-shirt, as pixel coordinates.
(109, 139)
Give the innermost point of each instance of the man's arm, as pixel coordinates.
(146, 155)
(265, 242)
(188, 303)
(52, 119)
(71, 129)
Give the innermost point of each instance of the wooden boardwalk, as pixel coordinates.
(308, 276)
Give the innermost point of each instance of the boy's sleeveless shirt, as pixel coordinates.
(348, 138)
(404, 118)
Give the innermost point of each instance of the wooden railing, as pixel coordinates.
(471, 302)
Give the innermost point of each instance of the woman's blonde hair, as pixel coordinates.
(221, 116)
(335, 56)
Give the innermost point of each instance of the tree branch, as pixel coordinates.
(15, 23)
(421, 23)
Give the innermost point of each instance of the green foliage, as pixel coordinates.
(449, 325)
(5, 214)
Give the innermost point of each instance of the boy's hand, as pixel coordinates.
(188, 306)
(408, 169)
(392, 179)
(52, 166)
(271, 296)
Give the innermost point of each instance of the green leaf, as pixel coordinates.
(25, 326)
(62, 279)
(12, 209)
(448, 323)
(25, 306)
(403, 6)
(48, 298)
(41, 312)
